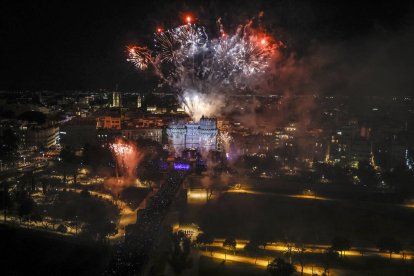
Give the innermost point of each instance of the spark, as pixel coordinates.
(225, 139)
(127, 157)
(139, 56)
(200, 68)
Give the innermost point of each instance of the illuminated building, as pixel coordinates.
(139, 101)
(154, 134)
(176, 137)
(41, 136)
(116, 99)
(108, 122)
(201, 135)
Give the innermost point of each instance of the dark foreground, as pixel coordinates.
(28, 252)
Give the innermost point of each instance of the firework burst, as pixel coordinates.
(225, 139)
(186, 59)
(127, 157)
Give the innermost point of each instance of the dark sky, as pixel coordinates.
(60, 45)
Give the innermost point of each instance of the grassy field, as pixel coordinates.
(28, 252)
(313, 221)
(208, 266)
(294, 185)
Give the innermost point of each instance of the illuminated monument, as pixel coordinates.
(201, 135)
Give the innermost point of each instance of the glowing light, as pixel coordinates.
(225, 139)
(139, 56)
(127, 157)
(200, 68)
(181, 166)
(159, 30)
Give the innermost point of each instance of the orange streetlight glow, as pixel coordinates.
(188, 19)
(159, 30)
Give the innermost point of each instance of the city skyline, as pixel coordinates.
(207, 138)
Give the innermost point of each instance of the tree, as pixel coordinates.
(229, 244)
(290, 247)
(260, 238)
(390, 245)
(26, 205)
(328, 258)
(401, 180)
(62, 228)
(204, 239)
(341, 244)
(33, 116)
(69, 162)
(301, 256)
(8, 142)
(99, 230)
(96, 156)
(180, 251)
(97, 223)
(252, 249)
(366, 173)
(36, 216)
(280, 268)
(5, 200)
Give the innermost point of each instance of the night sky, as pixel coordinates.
(63, 45)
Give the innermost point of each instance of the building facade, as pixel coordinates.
(108, 122)
(154, 134)
(201, 135)
(40, 136)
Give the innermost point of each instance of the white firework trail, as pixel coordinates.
(225, 139)
(200, 68)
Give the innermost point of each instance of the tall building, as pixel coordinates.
(201, 135)
(116, 99)
(41, 136)
(139, 101)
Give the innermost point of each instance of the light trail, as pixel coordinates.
(257, 262)
(127, 215)
(251, 192)
(310, 197)
(319, 249)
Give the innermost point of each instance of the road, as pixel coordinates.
(216, 252)
(33, 166)
(321, 248)
(258, 262)
(309, 197)
(253, 192)
(127, 216)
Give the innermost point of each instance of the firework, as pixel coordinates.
(225, 139)
(139, 56)
(127, 157)
(200, 68)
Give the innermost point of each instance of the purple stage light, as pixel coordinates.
(181, 166)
